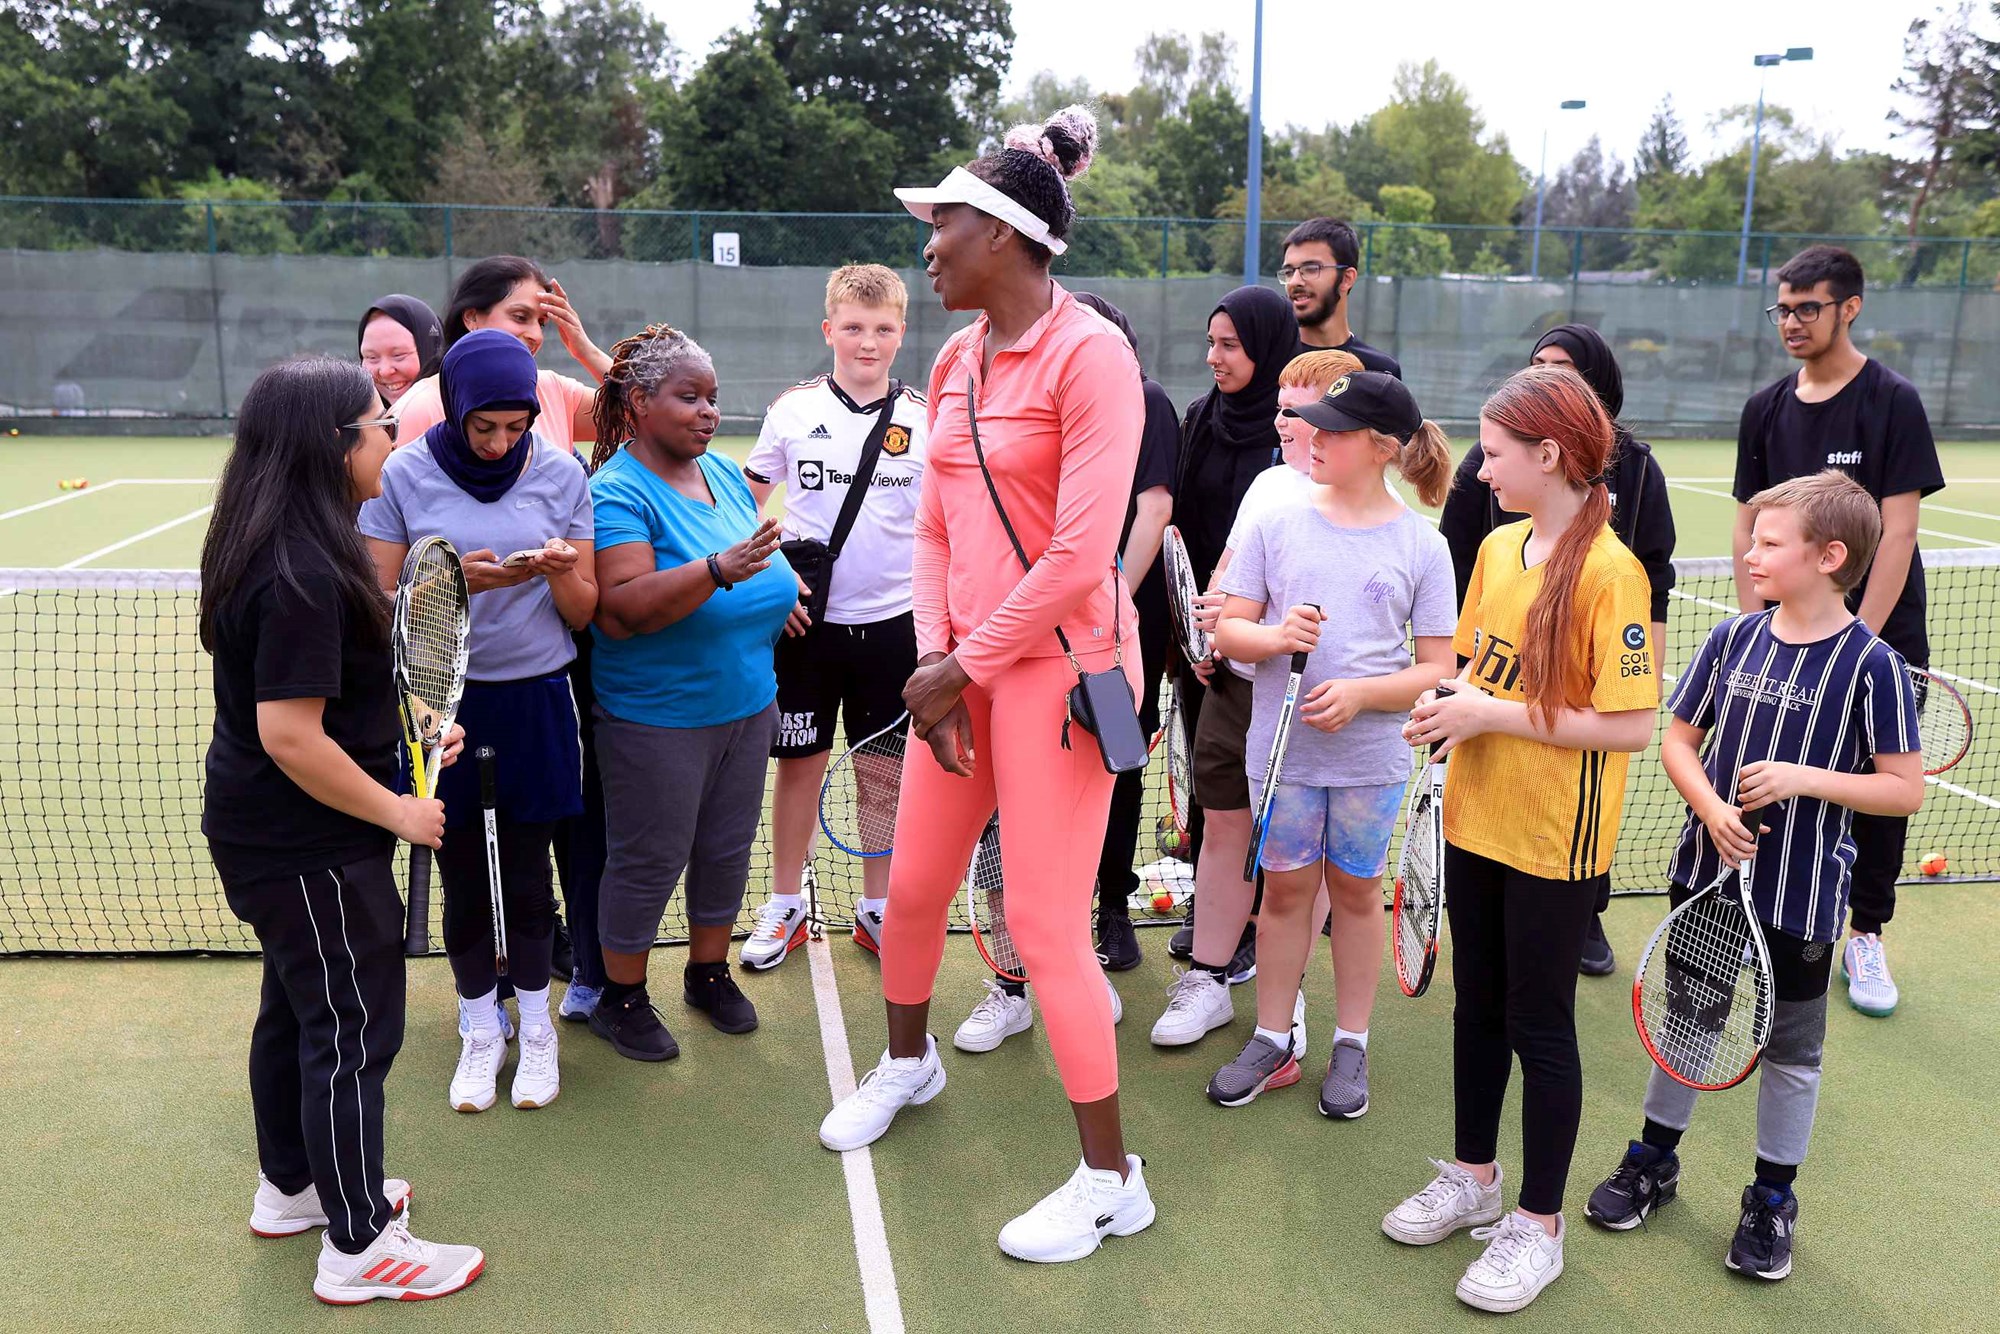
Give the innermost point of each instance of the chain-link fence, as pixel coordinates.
(167, 309)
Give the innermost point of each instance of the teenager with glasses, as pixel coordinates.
(1843, 409)
(1322, 263)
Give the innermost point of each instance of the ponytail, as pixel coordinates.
(1555, 403)
(1426, 463)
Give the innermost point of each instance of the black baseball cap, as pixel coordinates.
(1364, 401)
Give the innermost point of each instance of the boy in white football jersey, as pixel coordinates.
(855, 658)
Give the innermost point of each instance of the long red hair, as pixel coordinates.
(1555, 403)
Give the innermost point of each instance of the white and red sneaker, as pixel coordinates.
(779, 931)
(276, 1214)
(395, 1267)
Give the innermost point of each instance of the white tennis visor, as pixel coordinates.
(962, 187)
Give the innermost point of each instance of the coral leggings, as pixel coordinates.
(1053, 804)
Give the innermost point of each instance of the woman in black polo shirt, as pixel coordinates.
(301, 819)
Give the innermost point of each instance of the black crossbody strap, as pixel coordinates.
(1020, 553)
(864, 473)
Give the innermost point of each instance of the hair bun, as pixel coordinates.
(1066, 141)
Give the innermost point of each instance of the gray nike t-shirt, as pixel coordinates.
(1378, 587)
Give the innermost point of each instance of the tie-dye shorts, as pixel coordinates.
(1348, 826)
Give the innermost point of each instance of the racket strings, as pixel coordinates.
(1419, 876)
(989, 905)
(863, 790)
(1704, 1000)
(1944, 729)
(433, 633)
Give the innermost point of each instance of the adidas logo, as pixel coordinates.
(820, 433)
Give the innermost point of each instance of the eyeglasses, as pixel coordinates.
(1805, 312)
(1310, 270)
(386, 421)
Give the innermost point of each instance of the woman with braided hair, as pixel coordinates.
(694, 596)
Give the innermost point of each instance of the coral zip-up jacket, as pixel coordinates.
(1060, 415)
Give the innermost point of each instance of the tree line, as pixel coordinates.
(823, 105)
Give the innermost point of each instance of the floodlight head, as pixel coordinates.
(1574, 104)
(1798, 53)
(1764, 62)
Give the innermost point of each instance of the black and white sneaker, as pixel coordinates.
(1243, 966)
(1597, 960)
(1117, 943)
(708, 987)
(1180, 945)
(1763, 1242)
(633, 1028)
(1646, 1179)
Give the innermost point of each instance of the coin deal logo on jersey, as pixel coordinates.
(896, 441)
(1635, 635)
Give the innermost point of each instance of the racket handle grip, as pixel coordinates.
(485, 756)
(417, 928)
(1299, 659)
(1444, 688)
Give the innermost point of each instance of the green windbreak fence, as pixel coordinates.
(168, 309)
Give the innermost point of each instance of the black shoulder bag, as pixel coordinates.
(811, 559)
(1101, 704)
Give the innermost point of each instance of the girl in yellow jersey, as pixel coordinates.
(1558, 689)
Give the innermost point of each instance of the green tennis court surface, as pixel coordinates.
(692, 1195)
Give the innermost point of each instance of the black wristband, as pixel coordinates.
(715, 573)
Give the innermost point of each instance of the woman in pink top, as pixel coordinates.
(514, 295)
(1060, 412)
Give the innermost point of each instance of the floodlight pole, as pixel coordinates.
(1253, 202)
(1541, 189)
(1763, 63)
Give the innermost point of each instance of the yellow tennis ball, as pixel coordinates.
(64, 485)
(1934, 863)
(13, 430)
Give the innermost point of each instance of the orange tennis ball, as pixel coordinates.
(81, 483)
(1934, 863)
(1163, 901)
(13, 430)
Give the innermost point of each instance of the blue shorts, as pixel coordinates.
(1348, 826)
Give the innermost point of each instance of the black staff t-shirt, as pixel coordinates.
(1371, 357)
(274, 641)
(1874, 430)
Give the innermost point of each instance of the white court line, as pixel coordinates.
(864, 1202)
(1928, 532)
(122, 543)
(101, 487)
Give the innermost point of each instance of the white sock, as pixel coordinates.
(1358, 1039)
(876, 906)
(479, 1014)
(789, 902)
(1279, 1040)
(534, 1007)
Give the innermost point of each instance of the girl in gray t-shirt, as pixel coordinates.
(1359, 576)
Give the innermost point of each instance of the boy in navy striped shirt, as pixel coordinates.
(1801, 715)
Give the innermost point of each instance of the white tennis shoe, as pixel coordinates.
(1520, 1260)
(998, 1016)
(538, 1074)
(396, 1266)
(1453, 1200)
(1074, 1220)
(863, 1116)
(276, 1214)
(1197, 1004)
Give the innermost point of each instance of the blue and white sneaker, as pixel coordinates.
(505, 1020)
(1864, 964)
(579, 1002)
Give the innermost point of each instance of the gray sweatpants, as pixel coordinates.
(678, 799)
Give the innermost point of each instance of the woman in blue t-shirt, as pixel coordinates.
(485, 482)
(695, 595)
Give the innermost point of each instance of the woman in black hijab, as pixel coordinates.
(401, 342)
(1640, 515)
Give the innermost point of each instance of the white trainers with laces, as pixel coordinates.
(276, 1214)
(537, 1075)
(1198, 1003)
(1453, 1200)
(1073, 1221)
(474, 1084)
(1299, 1028)
(998, 1016)
(1117, 1002)
(395, 1266)
(779, 931)
(1521, 1259)
(863, 1116)
(1865, 965)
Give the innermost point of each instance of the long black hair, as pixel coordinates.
(484, 285)
(285, 489)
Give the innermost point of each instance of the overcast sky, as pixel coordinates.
(1334, 62)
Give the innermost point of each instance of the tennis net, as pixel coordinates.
(106, 709)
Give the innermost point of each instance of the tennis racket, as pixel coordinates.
(1702, 998)
(1280, 740)
(1416, 911)
(857, 800)
(1944, 721)
(433, 615)
(1182, 591)
(488, 805)
(1172, 833)
(986, 907)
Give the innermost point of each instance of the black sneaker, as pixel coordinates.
(1645, 1180)
(1181, 944)
(1117, 943)
(1243, 966)
(1763, 1241)
(633, 1028)
(713, 990)
(1598, 960)
(562, 955)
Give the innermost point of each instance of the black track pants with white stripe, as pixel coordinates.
(328, 1028)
